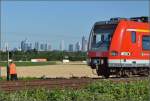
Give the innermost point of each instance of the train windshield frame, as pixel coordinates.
(101, 36)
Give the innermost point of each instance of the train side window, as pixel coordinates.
(146, 42)
(133, 36)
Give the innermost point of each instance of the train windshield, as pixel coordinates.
(101, 36)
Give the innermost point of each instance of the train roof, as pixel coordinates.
(143, 19)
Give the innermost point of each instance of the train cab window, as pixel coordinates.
(133, 36)
(146, 42)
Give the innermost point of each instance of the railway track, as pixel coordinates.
(74, 83)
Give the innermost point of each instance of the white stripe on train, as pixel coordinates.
(128, 63)
(139, 30)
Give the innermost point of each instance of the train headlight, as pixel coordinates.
(114, 53)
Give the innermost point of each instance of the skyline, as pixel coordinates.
(52, 22)
(26, 45)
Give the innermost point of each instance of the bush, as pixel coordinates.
(49, 55)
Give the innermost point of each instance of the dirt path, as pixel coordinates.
(75, 83)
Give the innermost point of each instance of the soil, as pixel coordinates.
(54, 71)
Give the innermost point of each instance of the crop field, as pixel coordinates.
(54, 71)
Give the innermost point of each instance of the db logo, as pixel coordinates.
(145, 54)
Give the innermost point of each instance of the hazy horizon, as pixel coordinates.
(54, 21)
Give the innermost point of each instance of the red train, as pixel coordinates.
(120, 46)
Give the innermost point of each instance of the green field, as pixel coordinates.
(29, 63)
(102, 90)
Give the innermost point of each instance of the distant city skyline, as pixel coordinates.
(51, 22)
(26, 45)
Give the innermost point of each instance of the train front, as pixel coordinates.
(98, 46)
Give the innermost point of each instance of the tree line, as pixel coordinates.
(50, 56)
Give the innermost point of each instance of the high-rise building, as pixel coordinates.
(78, 46)
(36, 46)
(45, 47)
(70, 48)
(62, 45)
(49, 47)
(84, 44)
(29, 46)
(42, 47)
(24, 45)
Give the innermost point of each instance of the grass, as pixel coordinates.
(30, 63)
(102, 90)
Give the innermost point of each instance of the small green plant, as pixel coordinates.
(101, 90)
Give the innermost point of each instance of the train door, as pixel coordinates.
(129, 49)
(146, 49)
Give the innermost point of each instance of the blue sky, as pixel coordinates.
(53, 21)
